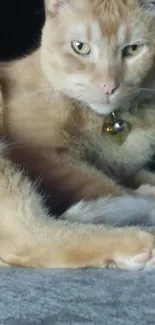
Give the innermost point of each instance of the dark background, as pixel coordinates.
(20, 25)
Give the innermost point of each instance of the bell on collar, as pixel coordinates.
(116, 128)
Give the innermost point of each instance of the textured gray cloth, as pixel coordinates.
(72, 297)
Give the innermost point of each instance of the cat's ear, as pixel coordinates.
(148, 4)
(54, 6)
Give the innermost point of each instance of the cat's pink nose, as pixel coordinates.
(109, 88)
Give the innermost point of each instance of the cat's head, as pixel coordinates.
(98, 51)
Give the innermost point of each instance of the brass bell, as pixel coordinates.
(117, 129)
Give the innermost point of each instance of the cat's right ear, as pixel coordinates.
(53, 6)
(148, 5)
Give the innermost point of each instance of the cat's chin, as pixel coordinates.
(101, 109)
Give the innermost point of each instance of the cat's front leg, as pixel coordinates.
(29, 238)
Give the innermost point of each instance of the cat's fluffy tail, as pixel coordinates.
(122, 211)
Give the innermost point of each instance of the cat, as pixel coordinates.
(98, 59)
(57, 130)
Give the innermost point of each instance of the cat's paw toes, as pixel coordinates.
(151, 261)
(146, 190)
(142, 258)
(136, 262)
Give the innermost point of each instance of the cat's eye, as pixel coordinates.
(132, 50)
(81, 48)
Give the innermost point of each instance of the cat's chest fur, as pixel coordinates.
(121, 161)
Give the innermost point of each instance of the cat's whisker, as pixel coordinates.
(29, 95)
(147, 89)
(43, 91)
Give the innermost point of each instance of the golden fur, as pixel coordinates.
(50, 102)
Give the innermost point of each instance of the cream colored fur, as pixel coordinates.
(50, 102)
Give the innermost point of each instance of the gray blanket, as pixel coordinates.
(72, 297)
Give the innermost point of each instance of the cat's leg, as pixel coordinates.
(29, 238)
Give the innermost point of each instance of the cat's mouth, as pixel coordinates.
(102, 109)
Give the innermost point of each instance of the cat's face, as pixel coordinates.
(98, 51)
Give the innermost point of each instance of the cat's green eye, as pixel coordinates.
(81, 48)
(132, 50)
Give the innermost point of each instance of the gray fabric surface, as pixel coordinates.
(71, 297)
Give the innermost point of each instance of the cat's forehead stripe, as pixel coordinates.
(111, 14)
(97, 35)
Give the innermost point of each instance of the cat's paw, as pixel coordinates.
(140, 254)
(146, 190)
(144, 260)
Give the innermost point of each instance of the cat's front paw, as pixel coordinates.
(138, 252)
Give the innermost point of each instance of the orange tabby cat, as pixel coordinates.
(96, 56)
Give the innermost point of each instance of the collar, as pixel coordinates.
(116, 128)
